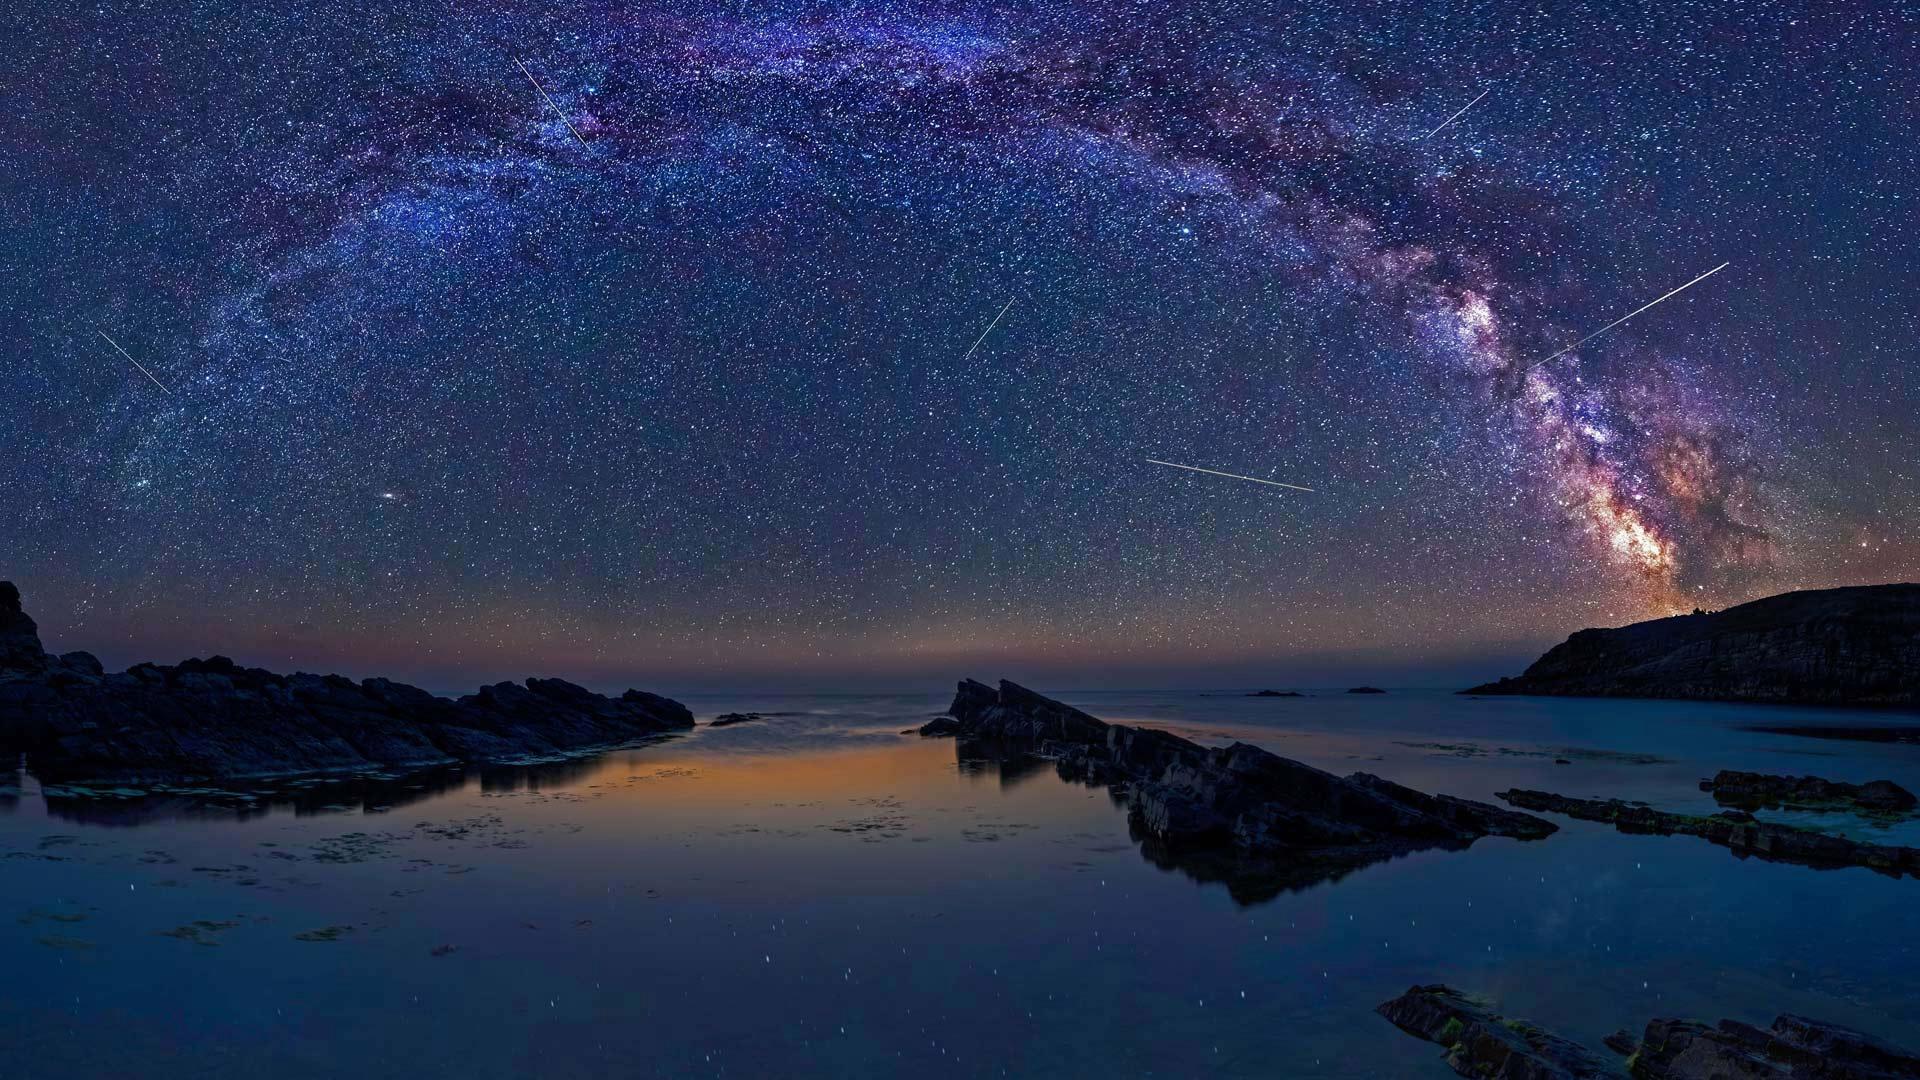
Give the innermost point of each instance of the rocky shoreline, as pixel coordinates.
(1760, 791)
(1487, 1046)
(1856, 646)
(1237, 813)
(211, 719)
(1735, 830)
(1481, 1043)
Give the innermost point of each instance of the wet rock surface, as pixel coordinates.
(1852, 646)
(213, 718)
(1755, 791)
(1235, 813)
(1794, 1048)
(1479, 1042)
(1737, 830)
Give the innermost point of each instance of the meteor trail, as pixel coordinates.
(1455, 116)
(984, 333)
(1627, 316)
(1233, 476)
(556, 108)
(135, 363)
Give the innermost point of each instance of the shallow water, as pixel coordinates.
(815, 894)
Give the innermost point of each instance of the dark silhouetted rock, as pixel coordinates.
(939, 726)
(1276, 693)
(1238, 802)
(1480, 1043)
(1621, 1042)
(1853, 646)
(20, 651)
(1756, 791)
(214, 718)
(729, 719)
(1366, 690)
(1794, 1048)
(1733, 829)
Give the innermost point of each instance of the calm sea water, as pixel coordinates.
(816, 895)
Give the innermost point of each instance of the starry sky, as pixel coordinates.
(643, 342)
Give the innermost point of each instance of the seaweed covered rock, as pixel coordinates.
(1481, 1043)
(1754, 791)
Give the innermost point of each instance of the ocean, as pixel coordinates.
(815, 894)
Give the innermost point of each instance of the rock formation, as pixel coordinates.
(1483, 1044)
(1734, 829)
(1794, 1048)
(20, 651)
(1234, 813)
(213, 718)
(1852, 646)
(1757, 791)
(1480, 1043)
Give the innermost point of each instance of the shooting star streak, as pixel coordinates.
(1455, 116)
(1233, 476)
(135, 363)
(1627, 316)
(556, 108)
(984, 333)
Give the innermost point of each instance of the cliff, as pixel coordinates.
(1852, 646)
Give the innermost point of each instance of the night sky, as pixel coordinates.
(674, 380)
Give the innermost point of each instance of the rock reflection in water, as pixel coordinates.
(301, 796)
(1249, 879)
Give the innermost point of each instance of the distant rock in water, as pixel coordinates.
(1276, 693)
(1755, 791)
(1239, 813)
(1483, 1044)
(1852, 646)
(212, 718)
(729, 719)
(1366, 690)
(1734, 829)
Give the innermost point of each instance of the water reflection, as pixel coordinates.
(1249, 879)
(365, 793)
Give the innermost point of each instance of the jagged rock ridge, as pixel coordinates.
(1851, 646)
(213, 718)
(1186, 797)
